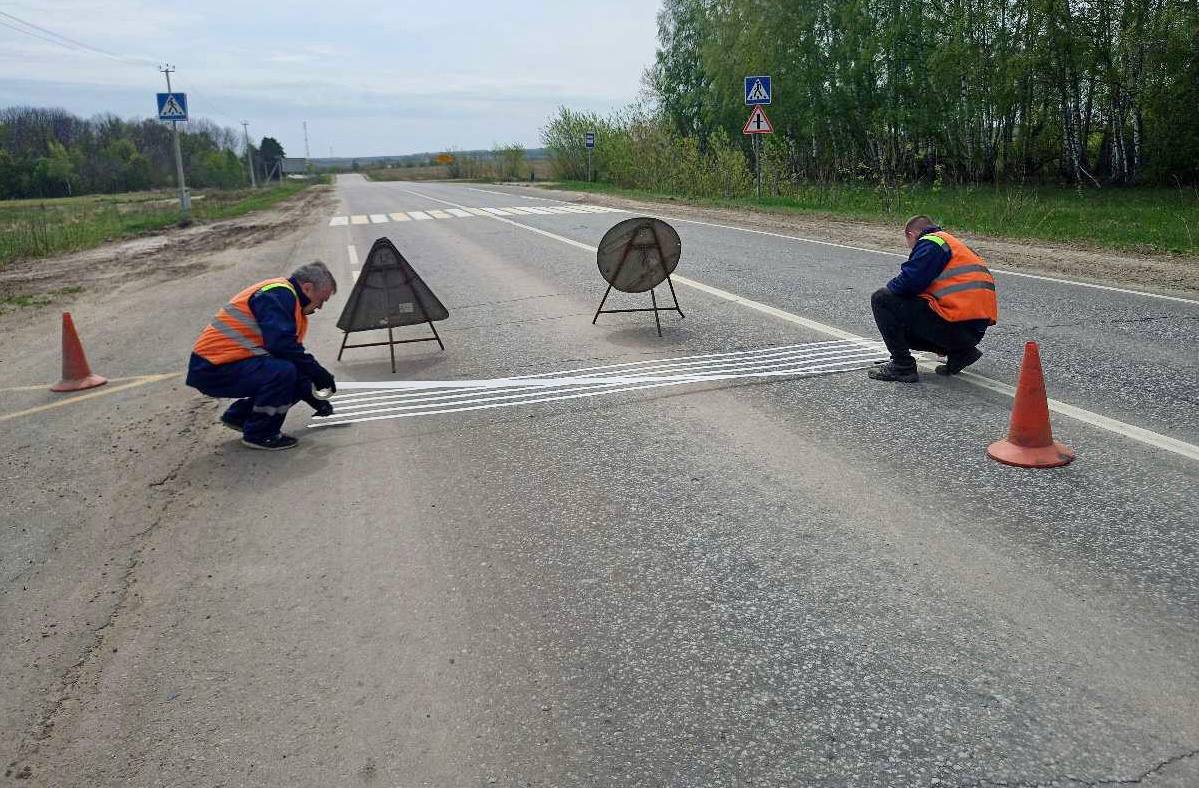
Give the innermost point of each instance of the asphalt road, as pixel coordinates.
(820, 581)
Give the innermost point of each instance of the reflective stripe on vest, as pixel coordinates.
(965, 290)
(234, 333)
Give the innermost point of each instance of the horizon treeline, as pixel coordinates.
(1088, 92)
(49, 152)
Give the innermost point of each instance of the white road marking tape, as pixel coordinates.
(352, 253)
(393, 398)
(400, 216)
(339, 221)
(440, 215)
(359, 219)
(488, 191)
(420, 216)
(475, 400)
(520, 209)
(460, 213)
(354, 276)
(476, 211)
(497, 212)
(379, 218)
(706, 364)
(1147, 437)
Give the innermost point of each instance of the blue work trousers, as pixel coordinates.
(265, 387)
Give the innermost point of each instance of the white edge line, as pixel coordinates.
(1139, 434)
(352, 254)
(1006, 271)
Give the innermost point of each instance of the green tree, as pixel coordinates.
(271, 154)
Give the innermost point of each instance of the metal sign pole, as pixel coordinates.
(589, 165)
(758, 163)
(185, 202)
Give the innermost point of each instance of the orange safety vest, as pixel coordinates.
(234, 335)
(965, 290)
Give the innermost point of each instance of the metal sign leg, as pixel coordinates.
(600, 308)
(436, 335)
(674, 296)
(654, 300)
(392, 347)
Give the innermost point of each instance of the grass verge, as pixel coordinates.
(15, 302)
(37, 228)
(1148, 221)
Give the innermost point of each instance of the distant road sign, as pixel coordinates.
(172, 106)
(758, 123)
(590, 139)
(757, 90)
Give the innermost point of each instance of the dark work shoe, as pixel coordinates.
(322, 408)
(956, 362)
(890, 371)
(277, 442)
(232, 423)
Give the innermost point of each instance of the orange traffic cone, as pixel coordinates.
(76, 374)
(1030, 441)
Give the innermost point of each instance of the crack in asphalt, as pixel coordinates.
(1080, 781)
(44, 728)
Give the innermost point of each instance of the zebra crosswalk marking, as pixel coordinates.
(465, 213)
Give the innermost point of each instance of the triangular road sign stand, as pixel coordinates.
(389, 294)
(653, 300)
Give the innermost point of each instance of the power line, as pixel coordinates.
(45, 34)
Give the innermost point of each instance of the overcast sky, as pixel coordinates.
(370, 79)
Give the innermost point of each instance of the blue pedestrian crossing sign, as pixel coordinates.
(172, 106)
(757, 90)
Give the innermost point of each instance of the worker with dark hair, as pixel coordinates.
(942, 301)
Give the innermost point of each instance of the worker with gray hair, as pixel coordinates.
(253, 351)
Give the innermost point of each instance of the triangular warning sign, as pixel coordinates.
(758, 123)
(389, 293)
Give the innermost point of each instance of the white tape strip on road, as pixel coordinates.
(697, 364)
(371, 394)
(490, 400)
(1147, 437)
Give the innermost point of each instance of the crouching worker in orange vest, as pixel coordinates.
(942, 301)
(253, 350)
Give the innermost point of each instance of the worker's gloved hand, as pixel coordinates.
(324, 380)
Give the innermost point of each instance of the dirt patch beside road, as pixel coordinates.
(1158, 273)
(157, 256)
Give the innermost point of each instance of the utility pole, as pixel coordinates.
(185, 200)
(245, 127)
(306, 164)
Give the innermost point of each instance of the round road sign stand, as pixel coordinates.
(638, 255)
